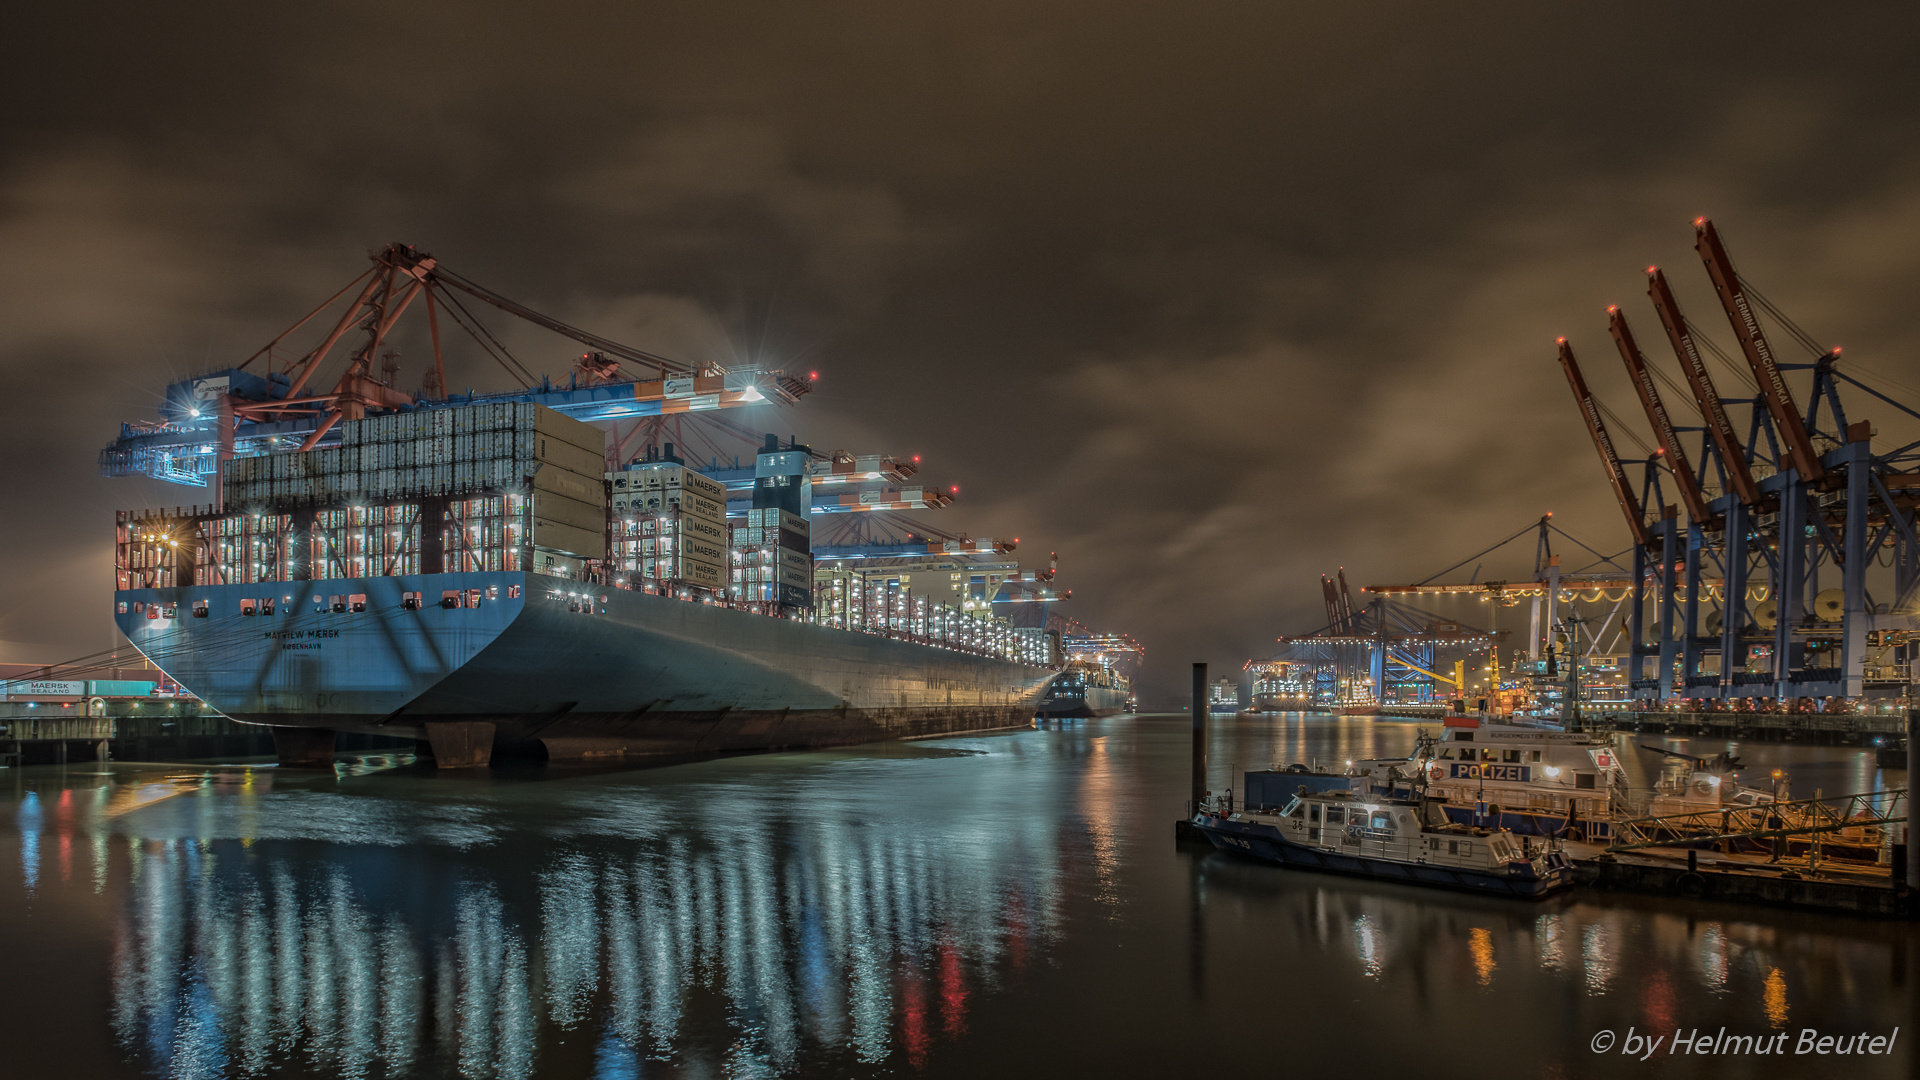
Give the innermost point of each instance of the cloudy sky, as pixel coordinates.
(1210, 298)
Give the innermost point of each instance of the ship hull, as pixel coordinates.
(563, 668)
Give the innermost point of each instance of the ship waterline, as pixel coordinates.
(559, 668)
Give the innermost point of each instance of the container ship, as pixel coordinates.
(490, 572)
(1087, 690)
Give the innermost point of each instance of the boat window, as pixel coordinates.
(1583, 780)
(1536, 755)
(1293, 807)
(1336, 815)
(1489, 754)
(1459, 847)
(1446, 755)
(1382, 820)
(1313, 813)
(1513, 756)
(1463, 736)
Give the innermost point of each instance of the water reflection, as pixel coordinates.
(231, 958)
(857, 912)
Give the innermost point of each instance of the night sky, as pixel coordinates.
(1210, 298)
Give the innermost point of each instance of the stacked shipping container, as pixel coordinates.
(876, 602)
(241, 549)
(771, 558)
(669, 525)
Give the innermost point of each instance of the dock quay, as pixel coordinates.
(1831, 729)
(1869, 891)
(151, 730)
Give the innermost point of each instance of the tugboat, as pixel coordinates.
(1391, 839)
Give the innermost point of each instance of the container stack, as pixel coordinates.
(154, 549)
(485, 533)
(365, 541)
(669, 525)
(242, 549)
(499, 486)
(771, 559)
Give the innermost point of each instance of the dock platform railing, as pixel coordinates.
(1871, 818)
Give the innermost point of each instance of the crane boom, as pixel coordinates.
(1753, 342)
(1616, 474)
(1690, 493)
(1712, 409)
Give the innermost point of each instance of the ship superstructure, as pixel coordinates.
(496, 570)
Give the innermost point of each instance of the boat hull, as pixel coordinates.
(565, 668)
(1263, 842)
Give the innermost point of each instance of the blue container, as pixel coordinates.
(119, 688)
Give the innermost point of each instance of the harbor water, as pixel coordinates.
(1010, 904)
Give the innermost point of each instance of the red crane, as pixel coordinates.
(1712, 410)
(1690, 493)
(1616, 474)
(1753, 342)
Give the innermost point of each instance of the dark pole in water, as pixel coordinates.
(1913, 819)
(1199, 735)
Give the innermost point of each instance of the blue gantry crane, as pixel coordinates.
(1793, 573)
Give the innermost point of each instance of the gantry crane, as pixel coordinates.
(1797, 504)
(267, 404)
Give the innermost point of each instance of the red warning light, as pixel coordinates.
(1699, 221)
(956, 489)
(1653, 269)
(1559, 341)
(1836, 350)
(1613, 309)
(813, 375)
(916, 459)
